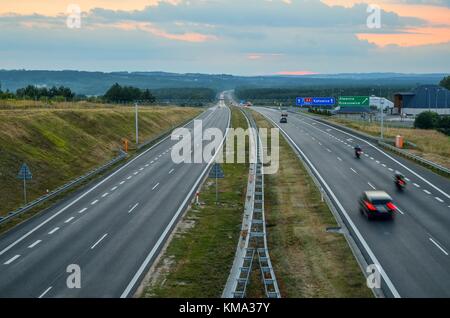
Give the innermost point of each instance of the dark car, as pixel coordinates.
(377, 204)
(284, 115)
(283, 120)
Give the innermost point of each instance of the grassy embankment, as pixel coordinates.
(199, 257)
(431, 144)
(61, 144)
(308, 261)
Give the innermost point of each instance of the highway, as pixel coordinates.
(112, 230)
(413, 250)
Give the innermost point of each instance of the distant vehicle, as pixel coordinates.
(283, 120)
(358, 152)
(248, 104)
(284, 115)
(377, 204)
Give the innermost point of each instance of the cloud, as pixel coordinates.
(223, 36)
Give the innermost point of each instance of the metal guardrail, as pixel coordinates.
(424, 162)
(61, 189)
(418, 159)
(253, 239)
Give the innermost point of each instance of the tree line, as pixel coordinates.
(127, 94)
(39, 93)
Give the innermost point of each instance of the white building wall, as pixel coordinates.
(376, 101)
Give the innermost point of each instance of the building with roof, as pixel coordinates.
(424, 98)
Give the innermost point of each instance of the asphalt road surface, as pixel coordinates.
(413, 250)
(112, 230)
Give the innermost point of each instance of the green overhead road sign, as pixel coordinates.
(354, 101)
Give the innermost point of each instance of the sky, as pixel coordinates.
(251, 37)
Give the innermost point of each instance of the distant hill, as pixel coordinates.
(96, 83)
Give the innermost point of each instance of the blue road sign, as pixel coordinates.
(216, 172)
(316, 101)
(24, 173)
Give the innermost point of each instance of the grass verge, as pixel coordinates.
(431, 144)
(308, 261)
(197, 260)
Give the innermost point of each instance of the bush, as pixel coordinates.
(427, 120)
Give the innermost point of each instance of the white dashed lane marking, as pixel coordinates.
(155, 186)
(45, 292)
(53, 231)
(82, 210)
(439, 199)
(69, 220)
(438, 246)
(134, 207)
(94, 202)
(98, 242)
(427, 192)
(34, 244)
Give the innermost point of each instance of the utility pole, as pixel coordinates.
(137, 123)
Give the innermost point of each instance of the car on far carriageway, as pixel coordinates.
(377, 205)
(283, 120)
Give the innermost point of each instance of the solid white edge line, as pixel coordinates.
(163, 236)
(45, 292)
(438, 246)
(372, 256)
(87, 192)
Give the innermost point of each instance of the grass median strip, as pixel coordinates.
(308, 261)
(197, 260)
